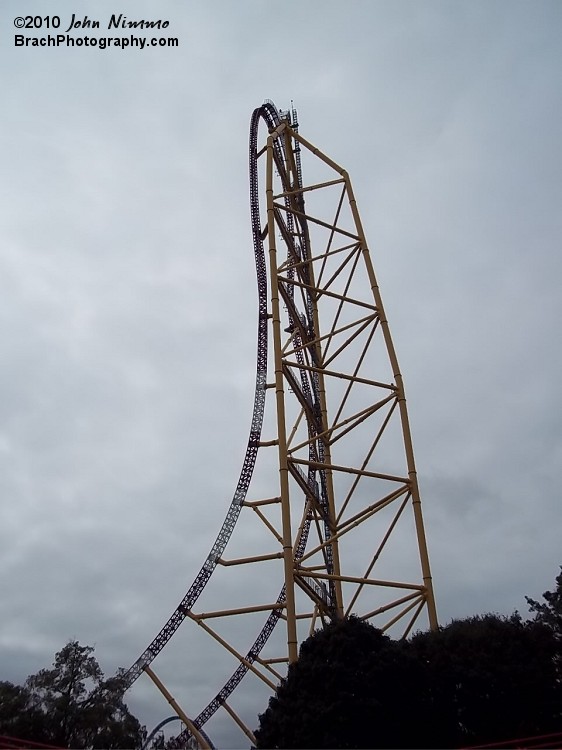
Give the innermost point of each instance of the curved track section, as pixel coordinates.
(302, 321)
(270, 115)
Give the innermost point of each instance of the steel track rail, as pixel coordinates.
(269, 114)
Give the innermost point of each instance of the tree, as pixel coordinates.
(346, 690)
(72, 705)
(549, 613)
(474, 681)
(488, 679)
(19, 717)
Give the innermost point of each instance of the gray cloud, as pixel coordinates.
(127, 321)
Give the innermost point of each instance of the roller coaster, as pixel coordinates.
(335, 513)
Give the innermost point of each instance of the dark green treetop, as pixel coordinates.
(480, 680)
(70, 705)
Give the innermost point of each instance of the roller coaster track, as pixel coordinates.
(304, 378)
(270, 115)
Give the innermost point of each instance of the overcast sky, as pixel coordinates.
(127, 296)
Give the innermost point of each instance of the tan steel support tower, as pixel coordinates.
(289, 219)
(330, 522)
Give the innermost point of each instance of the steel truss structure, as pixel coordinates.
(336, 516)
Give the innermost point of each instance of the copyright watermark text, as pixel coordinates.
(118, 21)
